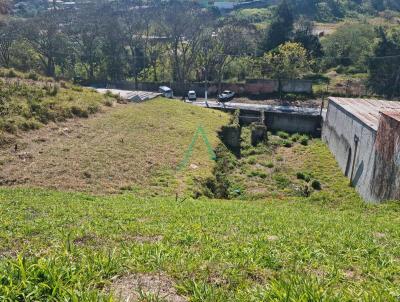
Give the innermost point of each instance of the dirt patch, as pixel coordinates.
(272, 238)
(145, 287)
(352, 274)
(146, 239)
(379, 235)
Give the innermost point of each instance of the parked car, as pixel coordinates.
(226, 96)
(166, 91)
(192, 95)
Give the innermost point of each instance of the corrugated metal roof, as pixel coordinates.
(393, 114)
(368, 111)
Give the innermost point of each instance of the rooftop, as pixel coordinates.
(368, 111)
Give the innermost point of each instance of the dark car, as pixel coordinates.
(226, 96)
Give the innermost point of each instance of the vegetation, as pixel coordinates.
(330, 246)
(27, 102)
(112, 41)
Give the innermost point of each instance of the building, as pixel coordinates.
(364, 137)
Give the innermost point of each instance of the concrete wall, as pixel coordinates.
(294, 123)
(278, 121)
(339, 130)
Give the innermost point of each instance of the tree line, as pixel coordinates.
(181, 41)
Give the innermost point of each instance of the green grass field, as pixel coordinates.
(88, 212)
(73, 247)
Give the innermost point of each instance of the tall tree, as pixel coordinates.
(288, 61)
(45, 36)
(304, 34)
(281, 27)
(183, 24)
(384, 65)
(84, 30)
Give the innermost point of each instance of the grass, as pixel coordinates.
(126, 148)
(29, 101)
(66, 246)
(293, 229)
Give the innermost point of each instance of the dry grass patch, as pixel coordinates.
(127, 148)
(145, 287)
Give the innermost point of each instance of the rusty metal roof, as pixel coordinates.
(393, 114)
(368, 111)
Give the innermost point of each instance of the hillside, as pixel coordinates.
(119, 149)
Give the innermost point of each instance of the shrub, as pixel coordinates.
(10, 74)
(80, 112)
(295, 137)
(30, 124)
(52, 90)
(269, 164)
(304, 176)
(281, 181)
(32, 76)
(286, 143)
(109, 102)
(283, 134)
(251, 160)
(316, 185)
(304, 140)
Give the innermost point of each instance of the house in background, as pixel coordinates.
(364, 137)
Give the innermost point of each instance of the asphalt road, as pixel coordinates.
(259, 107)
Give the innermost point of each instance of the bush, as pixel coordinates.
(251, 160)
(32, 76)
(52, 90)
(295, 137)
(10, 74)
(80, 112)
(30, 124)
(286, 143)
(316, 185)
(109, 102)
(283, 134)
(304, 140)
(303, 176)
(269, 164)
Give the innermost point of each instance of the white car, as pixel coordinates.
(192, 95)
(226, 96)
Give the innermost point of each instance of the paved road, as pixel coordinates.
(259, 107)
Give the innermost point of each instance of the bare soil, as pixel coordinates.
(146, 287)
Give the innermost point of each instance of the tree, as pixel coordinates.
(349, 45)
(183, 23)
(45, 36)
(220, 45)
(304, 35)
(289, 61)
(85, 32)
(136, 23)
(8, 36)
(113, 44)
(281, 27)
(384, 65)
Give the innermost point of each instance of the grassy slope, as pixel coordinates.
(127, 147)
(329, 247)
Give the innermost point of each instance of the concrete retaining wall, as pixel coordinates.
(339, 132)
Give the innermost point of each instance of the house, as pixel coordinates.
(364, 137)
